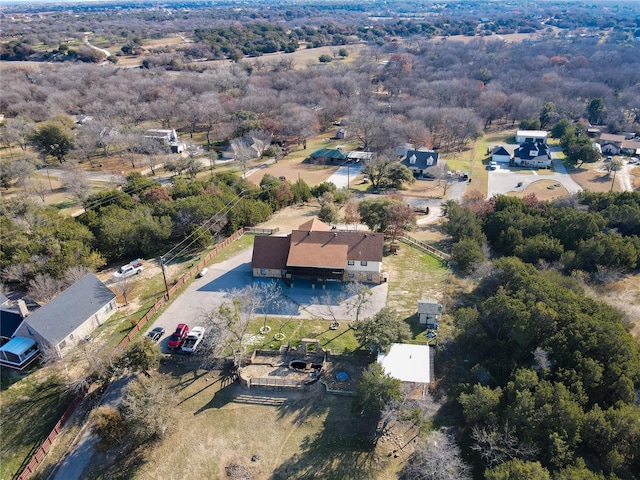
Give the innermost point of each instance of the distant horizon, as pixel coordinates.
(73, 2)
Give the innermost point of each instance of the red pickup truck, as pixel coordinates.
(176, 339)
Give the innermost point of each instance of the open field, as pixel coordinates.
(595, 178)
(302, 58)
(223, 427)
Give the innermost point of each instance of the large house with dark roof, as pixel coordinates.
(421, 162)
(532, 154)
(327, 155)
(71, 316)
(316, 252)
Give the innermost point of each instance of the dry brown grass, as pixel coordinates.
(301, 58)
(543, 190)
(624, 294)
(635, 178)
(594, 177)
(268, 434)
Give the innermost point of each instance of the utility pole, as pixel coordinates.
(164, 276)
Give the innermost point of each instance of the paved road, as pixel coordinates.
(345, 175)
(207, 293)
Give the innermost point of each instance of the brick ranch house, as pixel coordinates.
(316, 252)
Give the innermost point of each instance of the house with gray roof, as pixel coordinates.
(500, 154)
(71, 316)
(532, 154)
(420, 162)
(611, 144)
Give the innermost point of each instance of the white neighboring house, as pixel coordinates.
(170, 137)
(71, 316)
(532, 154)
(531, 136)
(500, 154)
(611, 144)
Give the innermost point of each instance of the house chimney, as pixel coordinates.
(22, 308)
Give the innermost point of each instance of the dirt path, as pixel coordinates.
(624, 178)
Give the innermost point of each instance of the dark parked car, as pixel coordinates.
(156, 334)
(176, 339)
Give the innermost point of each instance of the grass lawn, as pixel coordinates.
(269, 434)
(413, 275)
(340, 341)
(32, 403)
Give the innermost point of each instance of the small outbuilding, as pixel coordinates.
(429, 312)
(407, 362)
(531, 136)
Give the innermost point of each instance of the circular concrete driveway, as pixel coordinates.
(504, 180)
(206, 294)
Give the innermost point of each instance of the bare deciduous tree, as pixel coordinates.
(17, 272)
(444, 176)
(43, 288)
(76, 182)
(352, 215)
(356, 297)
(497, 445)
(75, 273)
(437, 458)
(124, 286)
(229, 323)
(242, 153)
(18, 130)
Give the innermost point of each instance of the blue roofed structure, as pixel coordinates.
(18, 353)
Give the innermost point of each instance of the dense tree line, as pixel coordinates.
(593, 232)
(552, 378)
(142, 219)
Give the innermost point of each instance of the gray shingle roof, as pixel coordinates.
(66, 312)
(420, 159)
(530, 150)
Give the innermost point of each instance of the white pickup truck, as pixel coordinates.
(193, 339)
(131, 268)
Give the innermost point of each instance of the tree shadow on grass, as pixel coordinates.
(229, 390)
(341, 448)
(606, 178)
